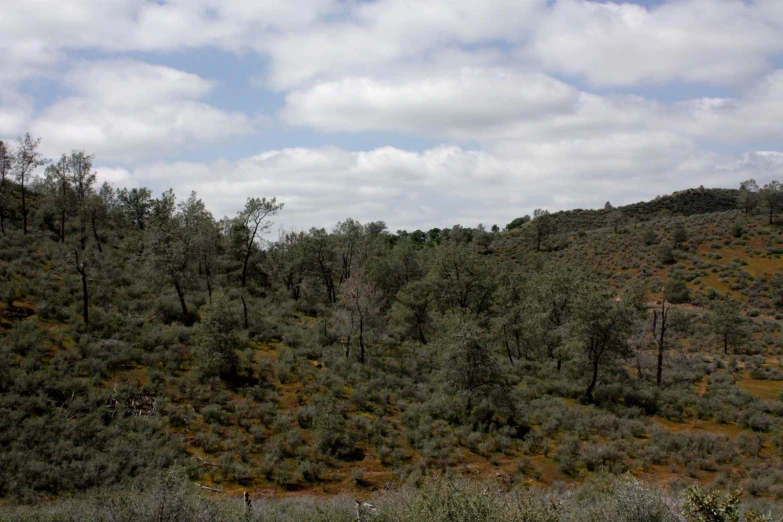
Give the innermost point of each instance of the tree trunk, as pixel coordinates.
(726, 344)
(181, 296)
(244, 308)
(85, 298)
(83, 230)
(24, 212)
(208, 273)
(593, 382)
(95, 231)
(639, 365)
(361, 340)
(82, 269)
(62, 222)
(244, 268)
(508, 346)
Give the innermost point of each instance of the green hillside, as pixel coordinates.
(355, 360)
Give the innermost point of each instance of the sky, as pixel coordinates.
(417, 113)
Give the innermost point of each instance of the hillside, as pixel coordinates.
(683, 203)
(355, 359)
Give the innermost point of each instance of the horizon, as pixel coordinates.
(420, 116)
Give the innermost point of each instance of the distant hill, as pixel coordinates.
(683, 203)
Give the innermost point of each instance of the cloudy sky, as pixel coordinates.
(420, 113)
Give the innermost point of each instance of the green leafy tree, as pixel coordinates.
(27, 159)
(462, 279)
(511, 311)
(168, 247)
(601, 328)
(410, 313)
(679, 235)
(772, 198)
(254, 221)
(6, 167)
(58, 178)
(82, 180)
(219, 339)
(748, 197)
(470, 372)
(136, 204)
(727, 323)
(203, 237)
(287, 263)
(542, 226)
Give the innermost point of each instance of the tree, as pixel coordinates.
(321, 260)
(347, 236)
(60, 175)
(27, 158)
(664, 321)
(287, 262)
(83, 179)
(360, 308)
(81, 268)
(410, 311)
(168, 244)
(648, 236)
(254, 221)
(471, 373)
(727, 323)
(218, 339)
(665, 254)
(555, 296)
(748, 196)
(204, 236)
(518, 222)
(137, 204)
(616, 220)
(511, 311)
(462, 279)
(679, 234)
(601, 328)
(6, 166)
(772, 197)
(542, 226)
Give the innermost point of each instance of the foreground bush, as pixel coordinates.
(433, 499)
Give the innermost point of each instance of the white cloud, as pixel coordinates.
(15, 113)
(124, 110)
(467, 103)
(377, 36)
(754, 117)
(706, 41)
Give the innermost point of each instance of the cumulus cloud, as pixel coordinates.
(465, 103)
(705, 41)
(125, 110)
(754, 117)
